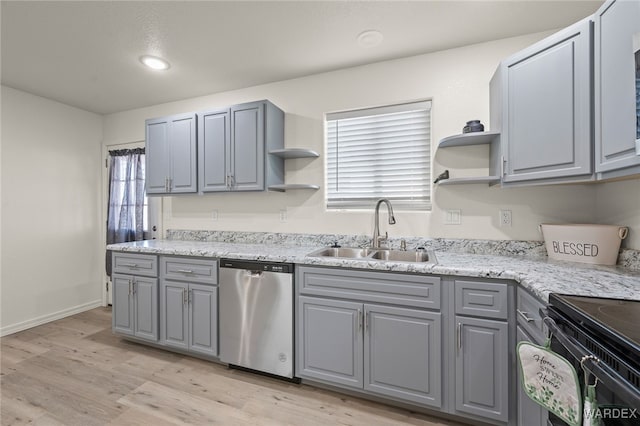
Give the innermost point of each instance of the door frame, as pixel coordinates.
(154, 212)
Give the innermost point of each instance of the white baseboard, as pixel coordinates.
(14, 328)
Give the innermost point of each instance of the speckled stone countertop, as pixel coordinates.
(522, 262)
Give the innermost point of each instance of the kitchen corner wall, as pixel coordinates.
(52, 249)
(456, 80)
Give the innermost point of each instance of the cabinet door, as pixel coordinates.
(145, 309)
(122, 316)
(214, 142)
(174, 317)
(546, 128)
(402, 354)
(247, 152)
(529, 412)
(617, 85)
(482, 368)
(203, 319)
(330, 341)
(182, 149)
(157, 156)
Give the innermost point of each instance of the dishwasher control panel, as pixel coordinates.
(283, 268)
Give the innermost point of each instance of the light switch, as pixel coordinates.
(452, 217)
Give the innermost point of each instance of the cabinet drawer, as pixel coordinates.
(421, 291)
(489, 300)
(204, 271)
(528, 314)
(135, 264)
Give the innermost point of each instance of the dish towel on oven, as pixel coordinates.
(551, 381)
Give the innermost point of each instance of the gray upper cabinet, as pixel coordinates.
(214, 148)
(617, 91)
(170, 150)
(402, 356)
(233, 147)
(541, 105)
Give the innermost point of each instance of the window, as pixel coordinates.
(377, 153)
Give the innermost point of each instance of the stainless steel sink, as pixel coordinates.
(382, 255)
(346, 252)
(403, 256)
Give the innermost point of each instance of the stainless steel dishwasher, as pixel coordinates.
(256, 316)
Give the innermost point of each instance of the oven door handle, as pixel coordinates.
(605, 374)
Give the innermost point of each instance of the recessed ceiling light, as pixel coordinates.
(154, 62)
(370, 38)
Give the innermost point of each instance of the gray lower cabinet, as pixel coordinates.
(170, 155)
(529, 412)
(135, 306)
(617, 88)
(482, 349)
(482, 368)
(330, 341)
(364, 340)
(541, 105)
(234, 145)
(529, 329)
(384, 350)
(189, 304)
(402, 354)
(188, 314)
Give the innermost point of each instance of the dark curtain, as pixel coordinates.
(125, 215)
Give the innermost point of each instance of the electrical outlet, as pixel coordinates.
(452, 217)
(283, 216)
(505, 218)
(214, 215)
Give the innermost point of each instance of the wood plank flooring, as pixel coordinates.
(74, 371)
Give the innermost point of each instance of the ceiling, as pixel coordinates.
(85, 53)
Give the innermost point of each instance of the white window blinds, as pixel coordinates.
(380, 153)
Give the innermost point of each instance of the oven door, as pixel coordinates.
(618, 398)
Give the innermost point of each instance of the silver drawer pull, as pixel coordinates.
(185, 271)
(525, 315)
(130, 265)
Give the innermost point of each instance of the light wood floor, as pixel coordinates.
(75, 372)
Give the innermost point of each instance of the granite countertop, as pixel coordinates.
(537, 274)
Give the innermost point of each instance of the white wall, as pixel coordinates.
(458, 82)
(52, 250)
(618, 203)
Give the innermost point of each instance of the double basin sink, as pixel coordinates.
(380, 254)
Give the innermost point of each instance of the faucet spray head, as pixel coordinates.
(392, 220)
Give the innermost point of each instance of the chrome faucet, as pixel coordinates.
(375, 243)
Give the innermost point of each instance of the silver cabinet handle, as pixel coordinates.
(359, 320)
(133, 285)
(170, 184)
(184, 296)
(232, 182)
(166, 184)
(226, 182)
(185, 271)
(130, 265)
(459, 331)
(366, 320)
(130, 288)
(525, 315)
(190, 295)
